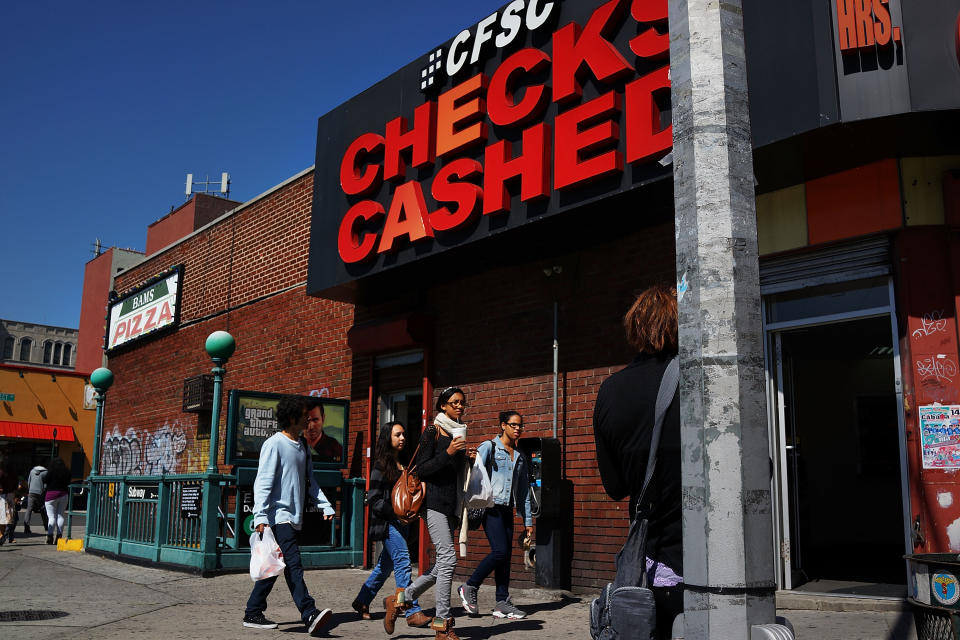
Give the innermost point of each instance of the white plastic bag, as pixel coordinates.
(266, 559)
(479, 492)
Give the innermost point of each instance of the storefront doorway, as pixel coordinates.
(838, 436)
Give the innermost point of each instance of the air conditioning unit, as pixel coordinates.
(198, 394)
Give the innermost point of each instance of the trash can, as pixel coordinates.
(933, 591)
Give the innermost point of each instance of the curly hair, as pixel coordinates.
(651, 322)
(289, 410)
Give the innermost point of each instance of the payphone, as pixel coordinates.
(551, 503)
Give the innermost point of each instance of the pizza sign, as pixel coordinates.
(145, 310)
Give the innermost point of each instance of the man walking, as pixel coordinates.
(281, 492)
(36, 488)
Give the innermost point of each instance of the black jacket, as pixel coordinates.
(380, 500)
(439, 470)
(623, 424)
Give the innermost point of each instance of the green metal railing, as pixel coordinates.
(196, 521)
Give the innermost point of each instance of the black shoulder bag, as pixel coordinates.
(625, 608)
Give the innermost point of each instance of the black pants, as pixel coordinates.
(669, 601)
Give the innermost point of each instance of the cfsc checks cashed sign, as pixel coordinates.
(534, 96)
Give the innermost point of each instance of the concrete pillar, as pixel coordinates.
(727, 528)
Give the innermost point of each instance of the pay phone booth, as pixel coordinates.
(551, 501)
(251, 419)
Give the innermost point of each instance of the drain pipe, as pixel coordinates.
(556, 352)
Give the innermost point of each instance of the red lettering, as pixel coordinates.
(349, 244)
(459, 116)
(134, 328)
(574, 47)
(165, 314)
(464, 194)
(881, 28)
(864, 22)
(645, 138)
(502, 108)
(654, 42)
(119, 333)
(583, 130)
(352, 181)
(847, 24)
(419, 140)
(407, 217)
(532, 166)
(150, 324)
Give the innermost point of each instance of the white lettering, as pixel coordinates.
(511, 23)
(454, 65)
(535, 20)
(483, 34)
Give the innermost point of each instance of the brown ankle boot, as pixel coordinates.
(393, 607)
(444, 629)
(418, 619)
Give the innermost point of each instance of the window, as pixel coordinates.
(47, 351)
(25, 344)
(8, 348)
(66, 354)
(56, 353)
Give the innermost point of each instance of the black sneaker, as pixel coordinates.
(258, 621)
(318, 620)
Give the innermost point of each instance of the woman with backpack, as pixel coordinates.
(385, 526)
(508, 470)
(442, 463)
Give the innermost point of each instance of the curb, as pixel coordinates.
(792, 600)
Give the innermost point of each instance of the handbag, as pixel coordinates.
(626, 608)
(475, 511)
(408, 491)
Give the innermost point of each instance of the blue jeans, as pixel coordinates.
(286, 537)
(394, 557)
(498, 525)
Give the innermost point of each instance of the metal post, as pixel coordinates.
(727, 537)
(220, 346)
(556, 365)
(101, 379)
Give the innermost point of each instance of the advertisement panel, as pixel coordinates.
(252, 418)
(145, 311)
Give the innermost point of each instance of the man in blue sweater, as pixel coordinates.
(280, 495)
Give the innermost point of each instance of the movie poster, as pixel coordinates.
(253, 419)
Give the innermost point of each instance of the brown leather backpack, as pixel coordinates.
(408, 491)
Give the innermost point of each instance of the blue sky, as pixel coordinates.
(106, 106)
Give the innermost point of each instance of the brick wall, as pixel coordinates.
(493, 332)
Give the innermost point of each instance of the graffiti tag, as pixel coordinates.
(931, 323)
(938, 368)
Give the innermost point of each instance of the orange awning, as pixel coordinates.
(30, 431)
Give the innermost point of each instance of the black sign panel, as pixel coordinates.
(374, 112)
(190, 500)
(142, 492)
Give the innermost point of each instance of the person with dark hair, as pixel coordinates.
(442, 463)
(326, 448)
(55, 500)
(508, 470)
(281, 492)
(36, 488)
(385, 526)
(623, 421)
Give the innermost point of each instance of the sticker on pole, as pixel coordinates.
(944, 586)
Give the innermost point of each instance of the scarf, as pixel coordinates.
(457, 430)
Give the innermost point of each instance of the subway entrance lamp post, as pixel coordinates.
(101, 379)
(220, 346)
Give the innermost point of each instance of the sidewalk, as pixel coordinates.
(66, 594)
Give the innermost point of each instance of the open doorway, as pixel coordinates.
(841, 449)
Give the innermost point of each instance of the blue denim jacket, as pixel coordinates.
(497, 463)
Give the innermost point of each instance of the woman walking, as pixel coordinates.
(508, 471)
(384, 526)
(58, 484)
(442, 462)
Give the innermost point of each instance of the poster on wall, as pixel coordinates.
(145, 310)
(940, 435)
(252, 418)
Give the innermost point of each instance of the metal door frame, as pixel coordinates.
(777, 423)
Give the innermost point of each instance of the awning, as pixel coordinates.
(30, 431)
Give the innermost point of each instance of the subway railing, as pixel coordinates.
(201, 522)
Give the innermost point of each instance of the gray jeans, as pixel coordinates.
(441, 530)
